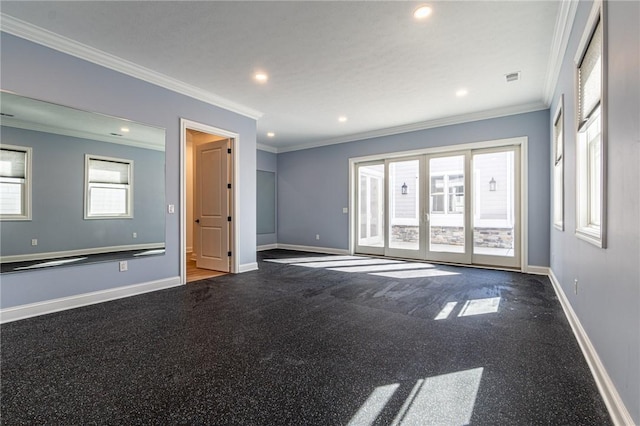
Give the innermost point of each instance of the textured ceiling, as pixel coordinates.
(370, 61)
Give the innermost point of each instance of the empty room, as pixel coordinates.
(320, 212)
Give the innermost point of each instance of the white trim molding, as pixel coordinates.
(536, 270)
(313, 249)
(247, 267)
(267, 247)
(559, 43)
(424, 125)
(71, 47)
(617, 410)
(62, 304)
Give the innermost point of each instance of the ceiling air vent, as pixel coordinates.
(512, 76)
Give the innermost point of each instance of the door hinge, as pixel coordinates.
(228, 150)
(229, 185)
(228, 218)
(229, 253)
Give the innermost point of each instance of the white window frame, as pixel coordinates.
(26, 185)
(557, 165)
(589, 191)
(88, 185)
(446, 192)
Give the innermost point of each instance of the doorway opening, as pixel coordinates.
(461, 204)
(207, 202)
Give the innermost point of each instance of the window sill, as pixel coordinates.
(591, 236)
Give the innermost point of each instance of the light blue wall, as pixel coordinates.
(58, 175)
(313, 183)
(608, 300)
(268, 162)
(32, 70)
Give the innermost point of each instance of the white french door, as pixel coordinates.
(459, 206)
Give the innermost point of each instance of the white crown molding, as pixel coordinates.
(27, 31)
(267, 148)
(423, 125)
(559, 43)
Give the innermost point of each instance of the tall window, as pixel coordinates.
(590, 139)
(558, 167)
(15, 185)
(109, 183)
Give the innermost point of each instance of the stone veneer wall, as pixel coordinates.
(482, 237)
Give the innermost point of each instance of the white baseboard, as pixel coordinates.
(313, 249)
(55, 305)
(536, 270)
(267, 247)
(246, 267)
(617, 410)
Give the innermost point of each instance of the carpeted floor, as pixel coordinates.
(324, 341)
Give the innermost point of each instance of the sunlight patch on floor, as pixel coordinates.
(339, 263)
(480, 306)
(313, 259)
(447, 399)
(386, 267)
(373, 406)
(421, 273)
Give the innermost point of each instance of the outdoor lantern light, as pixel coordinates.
(404, 188)
(492, 184)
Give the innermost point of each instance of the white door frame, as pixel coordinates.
(521, 141)
(235, 143)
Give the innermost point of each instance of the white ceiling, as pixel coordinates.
(370, 61)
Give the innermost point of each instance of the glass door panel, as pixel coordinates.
(370, 208)
(447, 207)
(495, 211)
(404, 226)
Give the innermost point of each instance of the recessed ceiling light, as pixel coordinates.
(422, 12)
(261, 77)
(270, 134)
(462, 92)
(124, 129)
(342, 119)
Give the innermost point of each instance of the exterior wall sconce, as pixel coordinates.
(404, 189)
(492, 184)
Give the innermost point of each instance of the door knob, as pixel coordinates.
(197, 220)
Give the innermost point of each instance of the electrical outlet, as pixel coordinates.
(345, 210)
(317, 236)
(171, 208)
(124, 266)
(134, 235)
(575, 286)
(34, 242)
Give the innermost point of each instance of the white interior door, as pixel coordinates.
(212, 206)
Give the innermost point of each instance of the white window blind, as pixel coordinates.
(13, 183)
(590, 76)
(104, 171)
(108, 188)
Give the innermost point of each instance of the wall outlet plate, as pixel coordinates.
(124, 266)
